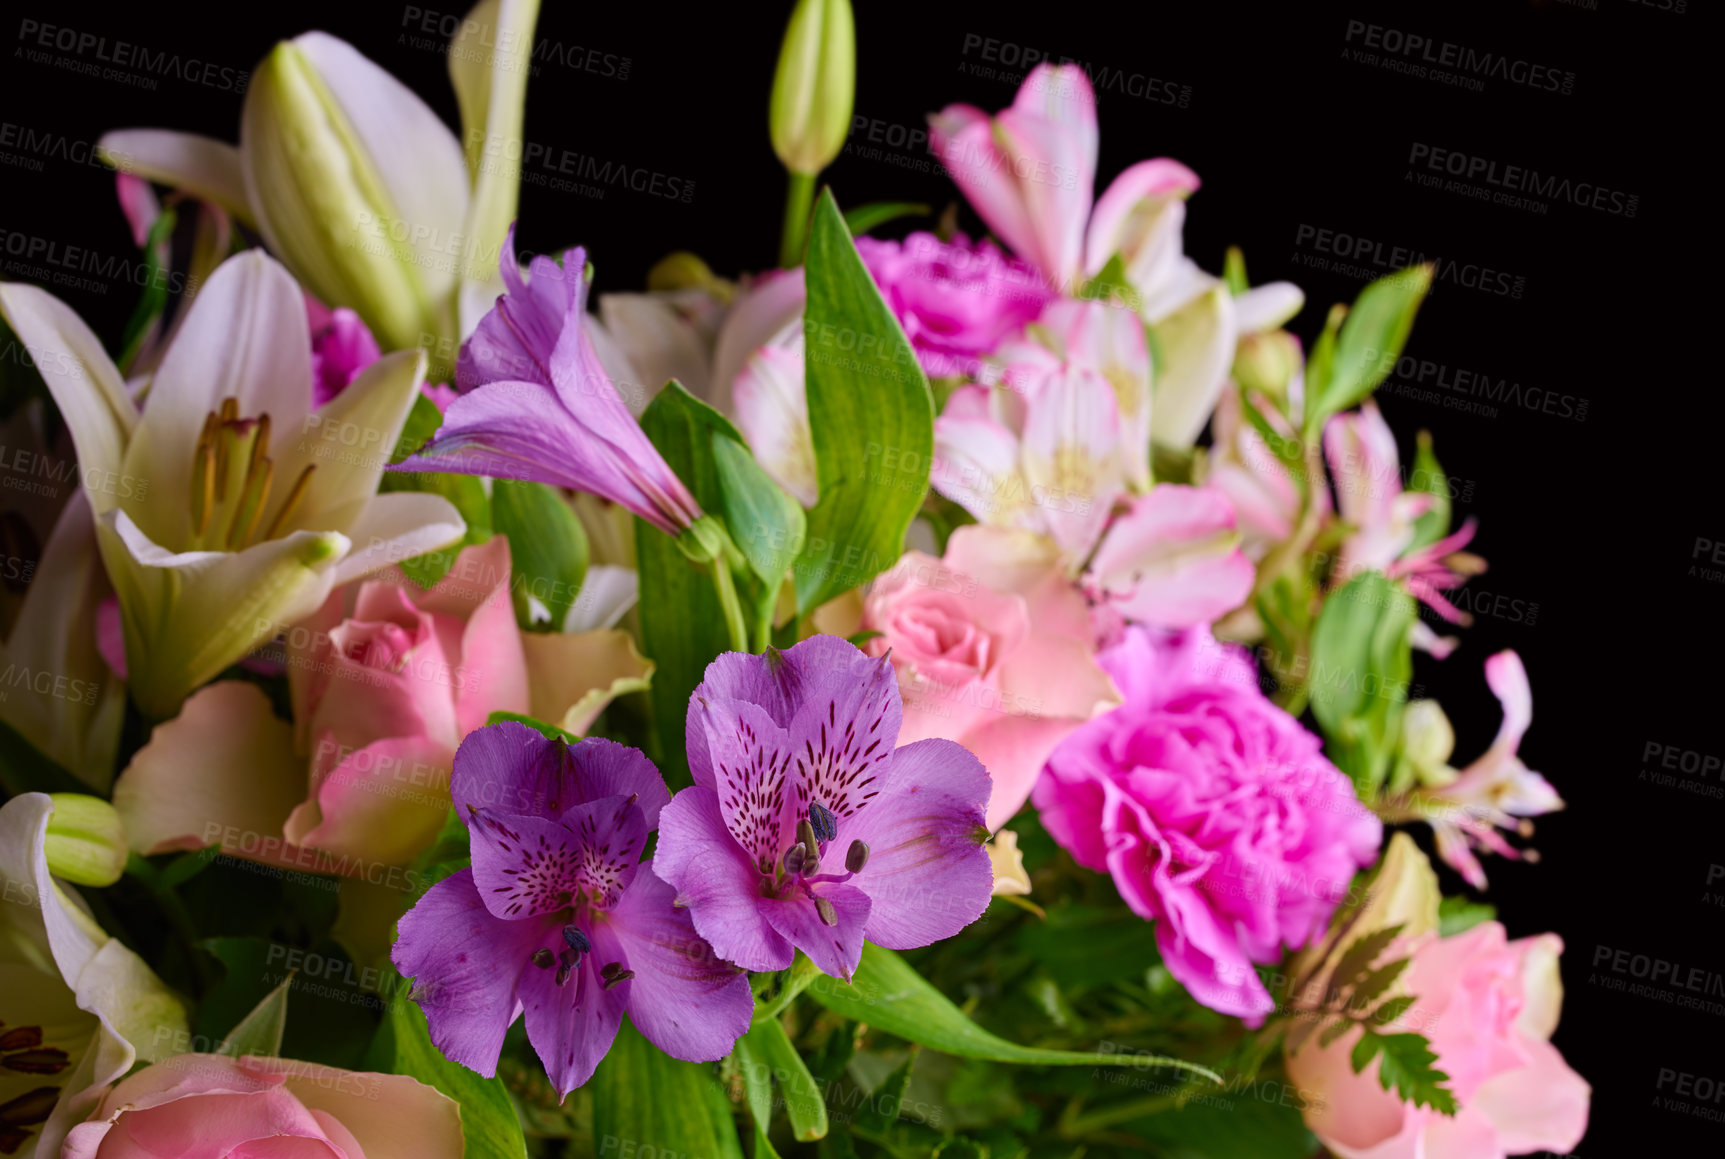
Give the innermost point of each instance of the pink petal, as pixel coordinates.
(1173, 558)
(1508, 680)
(383, 803)
(1123, 206)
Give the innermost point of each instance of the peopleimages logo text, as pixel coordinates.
(1520, 179)
(1446, 54)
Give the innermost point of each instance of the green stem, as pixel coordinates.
(799, 199)
(797, 979)
(726, 585)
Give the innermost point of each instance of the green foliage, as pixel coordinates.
(547, 550)
(1366, 345)
(1428, 476)
(877, 213)
(870, 414)
(662, 1105)
(1459, 914)
(260, 1032)
(1362, 662)
(1405, 1061)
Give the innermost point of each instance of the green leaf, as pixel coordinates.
(663, 1106)
(1370, 341)
(877, 213)
(1428, 476)
(1405, 1062)
(547, 550)
(1459, 914)
(548, 731)
(422, 422)
(889, 995)
(1334, 1031)
(766, 524)
(1361, 665)
(403, 1046)
(1389, 1011)
(260, 1032)
(1354, 964)
(155, 296)
(1320, 365)
(1112, 286)
(767, 1055)
(682, 624)
(1377, 982)
(758, 1094)
(871, 416)
(880, 1112)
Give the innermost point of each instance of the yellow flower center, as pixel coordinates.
(232, 476)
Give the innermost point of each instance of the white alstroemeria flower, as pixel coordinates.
(78, 1008)
(227, 508)
(356, 184)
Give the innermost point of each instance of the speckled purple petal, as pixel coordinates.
(526, 866)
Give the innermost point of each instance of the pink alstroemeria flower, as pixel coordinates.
(1361, 450)
(536, 403)
(1173, 559)
(1497, 791)
(1067, 434)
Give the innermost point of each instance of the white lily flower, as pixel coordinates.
(356, 184)
(227, 508)
(78, 1008)
(55, 688)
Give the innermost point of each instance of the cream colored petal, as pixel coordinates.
(245, 337)
(571, 678)
(490, 57)
(189, 615)
(1196, 348)
(350, 441)
(202, 166)
(73, 715)
(396, 526)
(1010, 879)
(225, 766)
(85, 383)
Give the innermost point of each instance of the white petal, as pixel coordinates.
(1196, 348)
(607, 594)
(245, 337)
(396, 526)
(84, 381)
(489, 71)
(55, 633)
(1268, 306)
(660, 343)
(349, 441)
(201, 166)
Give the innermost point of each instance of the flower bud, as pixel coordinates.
(814, 86)
(356, 186)
(1265, 362)
(86, 844)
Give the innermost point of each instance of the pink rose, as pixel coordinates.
(992, 646)
(1214, 811)
(956, 300)
(387, 678)
(208, 1104)
(1488, 1006)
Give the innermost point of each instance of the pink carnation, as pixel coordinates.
(1214, 811)
(956, 300)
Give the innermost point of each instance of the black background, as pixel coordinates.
(1596, 522)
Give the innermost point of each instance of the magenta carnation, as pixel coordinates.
(956, 300)
(1213, 810)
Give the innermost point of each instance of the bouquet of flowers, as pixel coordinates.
(934, 697)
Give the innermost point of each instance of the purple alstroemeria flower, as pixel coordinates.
(560, 917)
(806, 828)
(536, 404)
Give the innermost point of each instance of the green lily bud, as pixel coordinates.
(357, 187)
(1266, 362)
(814, 86)
(86, 844)
(683, 270)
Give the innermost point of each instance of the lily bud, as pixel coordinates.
(357, 187)
(86, 844)
(814, 86)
